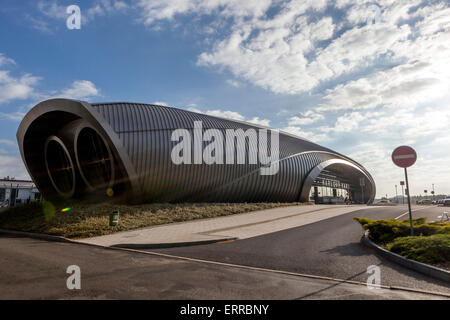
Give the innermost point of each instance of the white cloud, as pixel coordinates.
(348, 122)
(410, 83)
(4, 60)
(103, 7)
(14, 87)
(160, 103)
(234, 83)
(156, 10)
(227, 114)
(80, 90)
(261, 122)
(39, 24)
(219, 113)
(11, 87)
(370, 136)
(285, 52)
(312, 135)
(12, 166)
(24, 88)
(285, 55)
(13, 116)
(7, 142)
(54, 10)
(307, 118)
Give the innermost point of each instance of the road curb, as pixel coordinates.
(169, 244)
(40, 236)
(423, 268)
(48, 237)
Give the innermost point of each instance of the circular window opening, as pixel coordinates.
(94, 159)
(60, 167)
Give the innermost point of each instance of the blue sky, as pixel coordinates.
(360, 77)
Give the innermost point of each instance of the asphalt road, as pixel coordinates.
(328, 248)
(36, 269)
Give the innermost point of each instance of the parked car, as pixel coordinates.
(446, 202)
(425, 201)
(384, 202)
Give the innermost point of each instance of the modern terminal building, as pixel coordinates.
(125, 150)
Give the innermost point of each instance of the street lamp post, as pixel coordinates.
(432, 191)
(402, 183)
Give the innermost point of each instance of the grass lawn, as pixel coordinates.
(430, 243)
(86, 219)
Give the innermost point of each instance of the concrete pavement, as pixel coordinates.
(238, 226)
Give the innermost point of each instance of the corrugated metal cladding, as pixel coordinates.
(140, 137)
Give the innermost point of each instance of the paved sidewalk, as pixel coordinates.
(238, 226)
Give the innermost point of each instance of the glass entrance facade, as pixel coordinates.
(328, 188)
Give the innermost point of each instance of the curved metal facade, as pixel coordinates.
(126, 148)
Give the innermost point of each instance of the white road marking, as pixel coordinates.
(412, 211)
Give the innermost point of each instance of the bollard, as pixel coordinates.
(114, 218)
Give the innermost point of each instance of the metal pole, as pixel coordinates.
(403, 195)
(433, 191)
(409, 203)
(396, 195)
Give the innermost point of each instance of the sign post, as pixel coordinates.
(405, 157)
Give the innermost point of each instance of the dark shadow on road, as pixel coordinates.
(353, 249)
(332, 286)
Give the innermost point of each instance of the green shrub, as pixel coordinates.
(430, 249)
(386, 230)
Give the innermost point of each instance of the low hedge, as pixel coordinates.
(386, 230)
(431, 249)
(430, 243)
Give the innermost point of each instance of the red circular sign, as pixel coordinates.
(404, 156)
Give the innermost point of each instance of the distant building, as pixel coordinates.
(14, 192)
